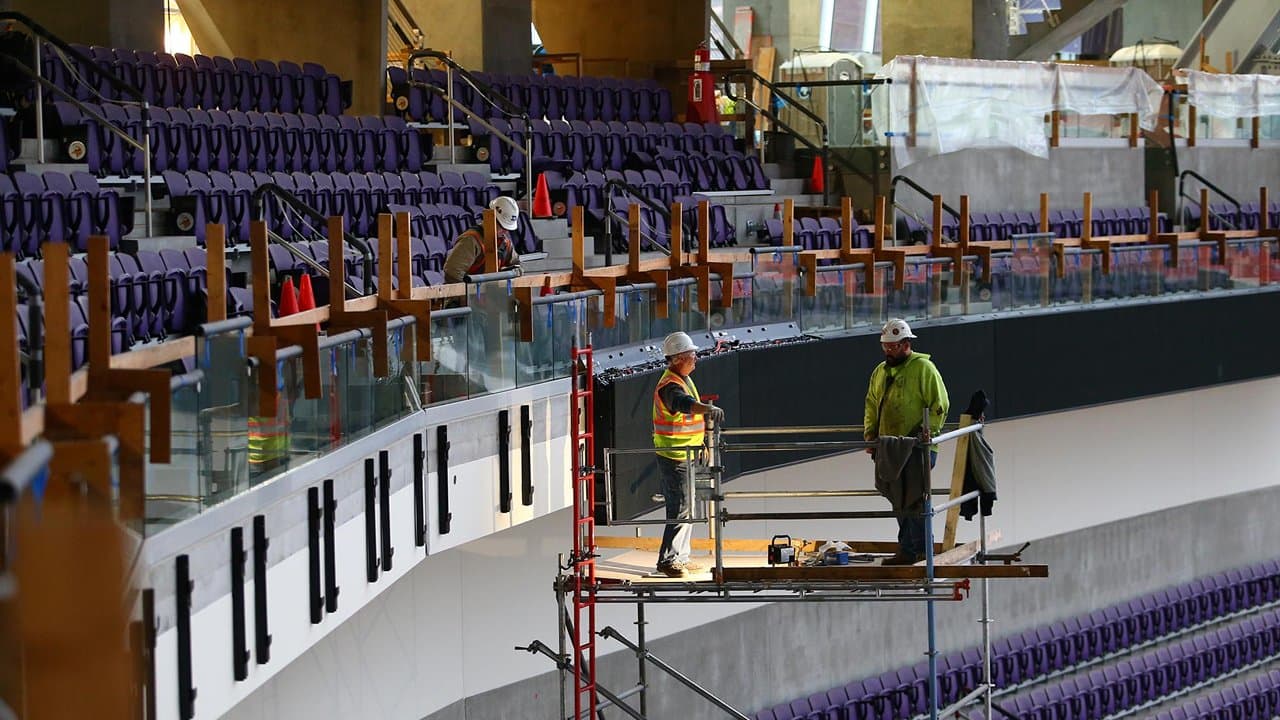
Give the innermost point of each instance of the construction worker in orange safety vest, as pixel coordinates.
(678, 424)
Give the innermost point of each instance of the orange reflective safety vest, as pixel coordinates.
(268, 439)
(503, 241)
(673, 429)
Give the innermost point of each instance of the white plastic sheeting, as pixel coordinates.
(1233, 96)
(962, 103)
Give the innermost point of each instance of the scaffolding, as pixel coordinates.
(946, 574)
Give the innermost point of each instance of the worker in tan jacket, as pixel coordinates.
(467, 255)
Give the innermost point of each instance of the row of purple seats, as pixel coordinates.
(1257, 698)
(541, 96)
(822, 233)
(1142, 679)
(217, 197)
(596, 144)
(233, 140)
(715, 171)
(1003, 225)
(445, 222)
(1024, 657)
(201, 81)
(53, 207)
(426, 265)
(1226, 216)
(79, 332)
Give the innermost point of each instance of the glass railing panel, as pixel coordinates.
(870, 301)
(830, 310)
(1248, 263)
(173, 489)
(389, 400)
(445, 375)
(1075, 126)
(223, 416)
(694, 319)
(494, 334)
(739, 314)
(1074, 284)
(775, 286)
(1136, 271)
(355, 384)
(1184, 276)
(315, 424)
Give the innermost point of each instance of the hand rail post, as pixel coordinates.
(39, 102)
(146, 165)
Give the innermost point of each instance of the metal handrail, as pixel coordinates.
(893, 191)
(309, 261)
(1204, 211)
(501, 102)
(715, 17)
(257, 202)
(396, 22)
(824, 150)
(609, 212)
(144, 146)
(23, 469)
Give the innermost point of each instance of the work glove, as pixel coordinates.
(715, 414)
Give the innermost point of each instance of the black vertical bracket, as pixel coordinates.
(419, 507)
(149, 650)
(384, 508)
(182, 597)
(442, 478)
(261, 631)
(370, 526)
(239, 639)
(330, 551)
(504, 461)
(316, 600)
(526, 456)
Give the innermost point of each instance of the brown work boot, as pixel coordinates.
(673, 569)
(693, 567)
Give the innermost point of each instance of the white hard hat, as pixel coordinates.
(896, 330)
(507, 211)
(676, 343)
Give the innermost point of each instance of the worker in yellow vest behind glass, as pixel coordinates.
(678, 423)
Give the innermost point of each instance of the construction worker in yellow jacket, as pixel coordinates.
(678, 423)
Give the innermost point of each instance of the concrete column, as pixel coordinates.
(943, 28)
(991, 29)
(507, 42)
(136, 24)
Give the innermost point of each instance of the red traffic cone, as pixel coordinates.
(288, 303)
(546, 286)
(542, 198)
(306, 298)
(817, 179)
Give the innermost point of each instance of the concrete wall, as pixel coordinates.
(347, 36)
(457, 27)
(927, 27)
(1008, 179)
(644, 32)
(507, 41)
(1168, 19)
(1109, 495)
(1238, 170)
(136, 24)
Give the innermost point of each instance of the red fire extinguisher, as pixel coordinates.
(702, 92)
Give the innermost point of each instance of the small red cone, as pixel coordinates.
(306, 298)
(288, 303)
(817, 179)
(546, 286)
(542, 198)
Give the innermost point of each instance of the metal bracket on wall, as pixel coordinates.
(316, 603)
(149, 649)
(330, 552)
(526, 455)
(384, 508)
(419, 510)
(261, 632)
(442, 479)
(183, 587)
(239, 643)
(504, 461)
(370, 525)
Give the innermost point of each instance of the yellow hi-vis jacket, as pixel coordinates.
(268, 439)
(673, 429)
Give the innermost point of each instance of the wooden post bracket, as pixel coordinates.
(400, 302)
(269, 337)
(604, 279)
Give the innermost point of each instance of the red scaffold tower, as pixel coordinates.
(582, 429)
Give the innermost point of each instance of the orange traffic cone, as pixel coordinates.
(542, 198)
(288, 303)
(306, 298)
(817, 179)
(546, 286)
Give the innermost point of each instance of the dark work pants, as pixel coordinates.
(675, 539)
(911, 522)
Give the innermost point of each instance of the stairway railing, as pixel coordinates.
(488, 94)
(258, 203)
(36, 74)
(1205, 211)
(610, 214)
